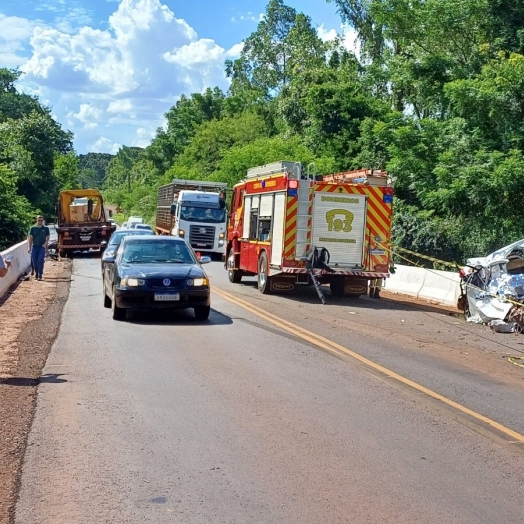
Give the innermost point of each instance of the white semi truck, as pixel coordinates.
(196, 211)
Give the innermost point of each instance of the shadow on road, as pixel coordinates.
(182, 317)
(51, 378)
(308, 295)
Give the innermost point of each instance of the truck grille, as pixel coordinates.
(202, 237)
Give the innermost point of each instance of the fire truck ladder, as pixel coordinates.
(304, 223)
(304, 217)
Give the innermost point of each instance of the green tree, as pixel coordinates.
(67, 171)
(15, 211)
(284, 43)
(93, 169)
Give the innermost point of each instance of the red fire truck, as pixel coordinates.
(288, 226)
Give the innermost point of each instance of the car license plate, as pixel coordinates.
(201, 244)
(167, 297)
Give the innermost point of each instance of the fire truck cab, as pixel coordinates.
(286, 224)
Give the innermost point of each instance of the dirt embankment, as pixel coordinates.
(29, 321)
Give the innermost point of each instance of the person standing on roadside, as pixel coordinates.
(38, 239)
(4, 266)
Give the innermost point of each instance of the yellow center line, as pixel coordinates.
(333, 347)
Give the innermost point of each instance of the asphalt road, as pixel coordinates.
(163, 419)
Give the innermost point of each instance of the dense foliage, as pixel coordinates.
(435, 95)
(36, 160)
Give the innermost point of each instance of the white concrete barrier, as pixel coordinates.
(406, 280)
(19, 265)
(441, 287)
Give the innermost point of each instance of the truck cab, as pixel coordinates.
(200, 218)
(195, 211)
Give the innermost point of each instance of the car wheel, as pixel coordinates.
(118, 312)
(107, 300)
(264, 280)
(202, 312)
(235, 276)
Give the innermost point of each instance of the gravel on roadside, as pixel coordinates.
(29, 321)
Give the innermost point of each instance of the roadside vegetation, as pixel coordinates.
(435, 95)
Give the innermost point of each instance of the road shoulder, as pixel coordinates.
(29, 321)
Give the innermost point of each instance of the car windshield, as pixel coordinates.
(119, 235)
(202, 214)
(155, 252)
(142, 226)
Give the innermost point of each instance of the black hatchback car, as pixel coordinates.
(150, 272)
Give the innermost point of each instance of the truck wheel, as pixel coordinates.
(337, 287)
(264, 280)
(118, 312)
(235, 276)
(202, 312)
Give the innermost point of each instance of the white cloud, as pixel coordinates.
(14, 33)
(120, 106)
(235, 51)
(326, 35)
(143, 137)
(104, 145)
(347, 35)
(131, 73)
(249, 17)
(87, 113)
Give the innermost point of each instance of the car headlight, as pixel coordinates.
(222, 235)
(108, 253)
(132, 282)
(181, 233)
(197, 282)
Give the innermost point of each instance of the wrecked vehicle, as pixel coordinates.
(493, 289)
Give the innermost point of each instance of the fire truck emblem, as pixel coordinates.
(342, 222)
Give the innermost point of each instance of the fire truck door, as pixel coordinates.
(249, 252)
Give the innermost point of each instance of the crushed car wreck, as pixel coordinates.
(493, 289)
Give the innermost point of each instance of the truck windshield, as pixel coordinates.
(202, 214)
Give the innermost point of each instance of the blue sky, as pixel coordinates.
(110, 69)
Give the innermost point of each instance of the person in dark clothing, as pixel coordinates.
(38, 240)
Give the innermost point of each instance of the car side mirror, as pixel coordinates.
(173, 209)
(205, 260)
(109, 257)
